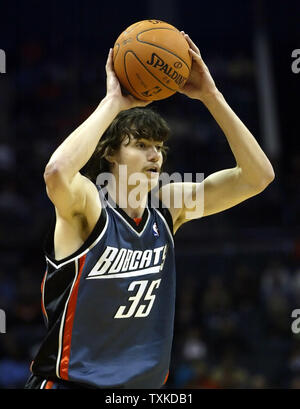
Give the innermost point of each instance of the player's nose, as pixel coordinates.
(153, 154)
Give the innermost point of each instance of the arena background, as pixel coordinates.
(238, 271)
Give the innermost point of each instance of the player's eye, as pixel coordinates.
(159, 148)
(140, 145)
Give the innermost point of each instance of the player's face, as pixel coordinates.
(142, 157)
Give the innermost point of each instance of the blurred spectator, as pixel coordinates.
(276, 279)
(193, 346)
(258, 381)
(216, 299)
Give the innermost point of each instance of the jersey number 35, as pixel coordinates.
(137, 308)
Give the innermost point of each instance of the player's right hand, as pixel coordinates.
(113, 88)
(200, 84)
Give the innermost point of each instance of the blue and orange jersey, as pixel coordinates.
(109, 307)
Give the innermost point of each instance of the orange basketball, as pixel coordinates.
(151, 59)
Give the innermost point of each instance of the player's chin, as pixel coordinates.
(152, 175)
(152, 179)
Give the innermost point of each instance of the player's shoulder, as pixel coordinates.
(92, 193)
(84, 217)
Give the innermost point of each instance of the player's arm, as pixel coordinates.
(70, 191)
(226, 188)
(66, 187)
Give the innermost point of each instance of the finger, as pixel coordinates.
(198, 60)
(193, 53)
(192, 44)
(109, 57)
(109, 61)
(197, 57)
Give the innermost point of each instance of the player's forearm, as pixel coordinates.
(256, 167)
(79, 146)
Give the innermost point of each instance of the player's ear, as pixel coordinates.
(109, 155)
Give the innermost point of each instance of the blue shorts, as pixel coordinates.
(38, 382)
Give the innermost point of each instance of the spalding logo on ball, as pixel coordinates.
(151, 60)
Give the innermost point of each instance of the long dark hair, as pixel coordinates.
(137, 122)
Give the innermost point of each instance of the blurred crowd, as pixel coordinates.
(234, 328)
(238, 272)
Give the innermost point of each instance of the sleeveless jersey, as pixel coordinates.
(109, 307)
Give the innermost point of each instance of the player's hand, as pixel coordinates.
(113, 88)
(200, 84)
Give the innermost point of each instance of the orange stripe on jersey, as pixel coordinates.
(66, 349)
(49, 385)
(42, 290)
(166, 378)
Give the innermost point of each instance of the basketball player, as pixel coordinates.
(108, 293)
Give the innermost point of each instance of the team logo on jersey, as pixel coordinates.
(155, 230)
(120, 263)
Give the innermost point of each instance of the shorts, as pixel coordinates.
(38, 382)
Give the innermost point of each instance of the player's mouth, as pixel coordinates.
(152, 170)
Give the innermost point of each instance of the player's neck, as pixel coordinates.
(125, 197)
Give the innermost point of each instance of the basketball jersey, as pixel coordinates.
(109, 307)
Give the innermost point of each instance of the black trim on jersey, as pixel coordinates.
(132, 223)
(138, 228)
(167, 215)
(49, 241)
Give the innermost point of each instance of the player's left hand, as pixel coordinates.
(113, 88)
(200, 84)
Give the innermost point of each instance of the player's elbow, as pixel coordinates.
(267, 177)
(271, 175)
(52, 173)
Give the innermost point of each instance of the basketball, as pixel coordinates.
(151, 60)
